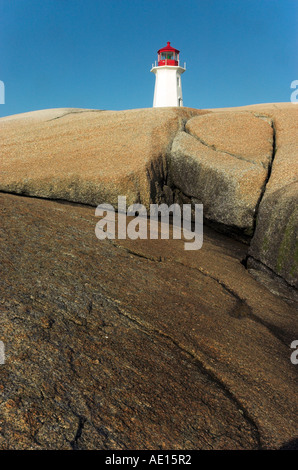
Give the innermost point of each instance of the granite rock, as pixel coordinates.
(136, 344)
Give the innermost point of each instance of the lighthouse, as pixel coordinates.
(168, 89)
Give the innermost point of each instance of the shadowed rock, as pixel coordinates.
(275, 243)
(229, 187)
(222, 161)
(136, 344)
(274, 246)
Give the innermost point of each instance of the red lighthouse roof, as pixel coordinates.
(168, 55)
(168, 48)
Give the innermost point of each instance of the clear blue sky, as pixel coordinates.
(98, 53)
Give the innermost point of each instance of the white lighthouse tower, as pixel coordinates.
(168, 89)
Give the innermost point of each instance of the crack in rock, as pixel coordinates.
(202, 366)
(76, 112)
(75, 444)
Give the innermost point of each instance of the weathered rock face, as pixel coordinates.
(239, 134)
(238, 162)
(88, 156)
(275, 243)
(141, 344)
(136, 344)
(222, 161)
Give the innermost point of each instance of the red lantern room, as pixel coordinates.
(168, 55)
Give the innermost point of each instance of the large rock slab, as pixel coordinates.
(240, 134)
(275, 243)
(88, 156)
(136, 344)
(222, 161)
(241, 163)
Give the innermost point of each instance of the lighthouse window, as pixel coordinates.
(167, 56)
